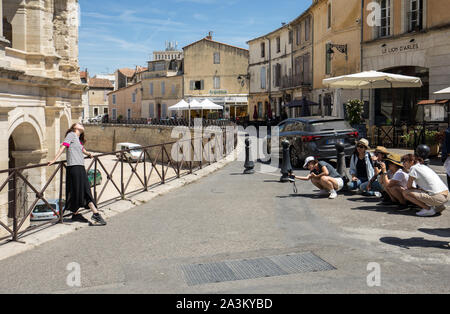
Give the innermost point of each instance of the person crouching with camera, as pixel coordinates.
(374, 186)
(323, 176)
(396, 185)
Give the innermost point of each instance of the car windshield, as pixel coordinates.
(42, 208)
(329, 126)
(136, 150)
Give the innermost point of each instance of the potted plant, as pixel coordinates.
(355, 109)
(433, 140)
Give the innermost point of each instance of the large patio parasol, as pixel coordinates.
(373, 80)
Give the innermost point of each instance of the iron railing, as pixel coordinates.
(297, 80)
(165, 122)
(120, 177)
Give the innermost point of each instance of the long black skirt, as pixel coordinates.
(78, 190)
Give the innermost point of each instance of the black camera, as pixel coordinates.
(377, 165)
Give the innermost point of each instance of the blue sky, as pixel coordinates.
(123, 33)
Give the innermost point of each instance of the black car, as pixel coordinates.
(317, 137)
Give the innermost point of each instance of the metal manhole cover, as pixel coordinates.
(199, 274)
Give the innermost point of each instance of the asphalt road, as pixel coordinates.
(229, 216)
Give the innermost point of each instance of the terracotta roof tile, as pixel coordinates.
(100, 83)
(127, 72)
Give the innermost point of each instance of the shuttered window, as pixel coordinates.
(151, 111)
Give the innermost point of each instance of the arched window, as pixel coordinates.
(7, 30)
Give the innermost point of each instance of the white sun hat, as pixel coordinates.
(307, 161)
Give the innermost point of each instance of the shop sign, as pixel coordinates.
(218, 92)
(401, 48)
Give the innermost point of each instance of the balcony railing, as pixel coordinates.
(290, 81)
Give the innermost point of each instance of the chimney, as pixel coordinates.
(210, 36)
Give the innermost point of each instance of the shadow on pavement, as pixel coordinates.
(272, 181)
(416, 242)
(364, 200)
(445, 233)
(313, 196)
(388, 210)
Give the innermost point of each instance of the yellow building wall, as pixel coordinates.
(436, 13)
(124, 101)
(170, 97)
(344, 30)
(199, 65)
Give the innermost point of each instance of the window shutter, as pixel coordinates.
(192, 85)
(151, 111)
(202, 86)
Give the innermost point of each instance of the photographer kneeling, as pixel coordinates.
(323, 176)
(398, 184)
(374, 186)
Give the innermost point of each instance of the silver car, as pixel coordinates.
(42, 212)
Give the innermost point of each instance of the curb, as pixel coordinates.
(56, 231)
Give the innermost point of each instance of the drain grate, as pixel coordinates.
(235, 270)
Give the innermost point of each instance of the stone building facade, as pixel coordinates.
(337, 48)
(98, 96)
(269, 59)
(218, 72)
(280, 68)
(413, 38)
(40, 90)
(162, 87)
(126, 103)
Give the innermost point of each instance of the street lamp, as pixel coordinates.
(341, 48)
(242, 78)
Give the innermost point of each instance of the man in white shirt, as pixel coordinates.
(399, 182)
(433, 194)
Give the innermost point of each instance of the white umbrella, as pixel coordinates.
(444, 91)
(372, 79)
(209, 105)
(182, 105)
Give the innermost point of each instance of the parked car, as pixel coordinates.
(133, 154)
(98, 179)
(42, 212)
(97, 119)
(316, 136)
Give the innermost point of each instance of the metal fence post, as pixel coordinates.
(122, 187)
(162, 164)
(61, 178)
(95, 180)
(145, 171)
(14, 206)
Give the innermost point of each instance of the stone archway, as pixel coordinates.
(24, 149)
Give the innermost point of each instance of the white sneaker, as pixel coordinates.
(378, 194)
(333, 195)
(427, 213)
(324, 193)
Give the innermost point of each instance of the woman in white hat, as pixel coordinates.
(323, 176)
(361, 165)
